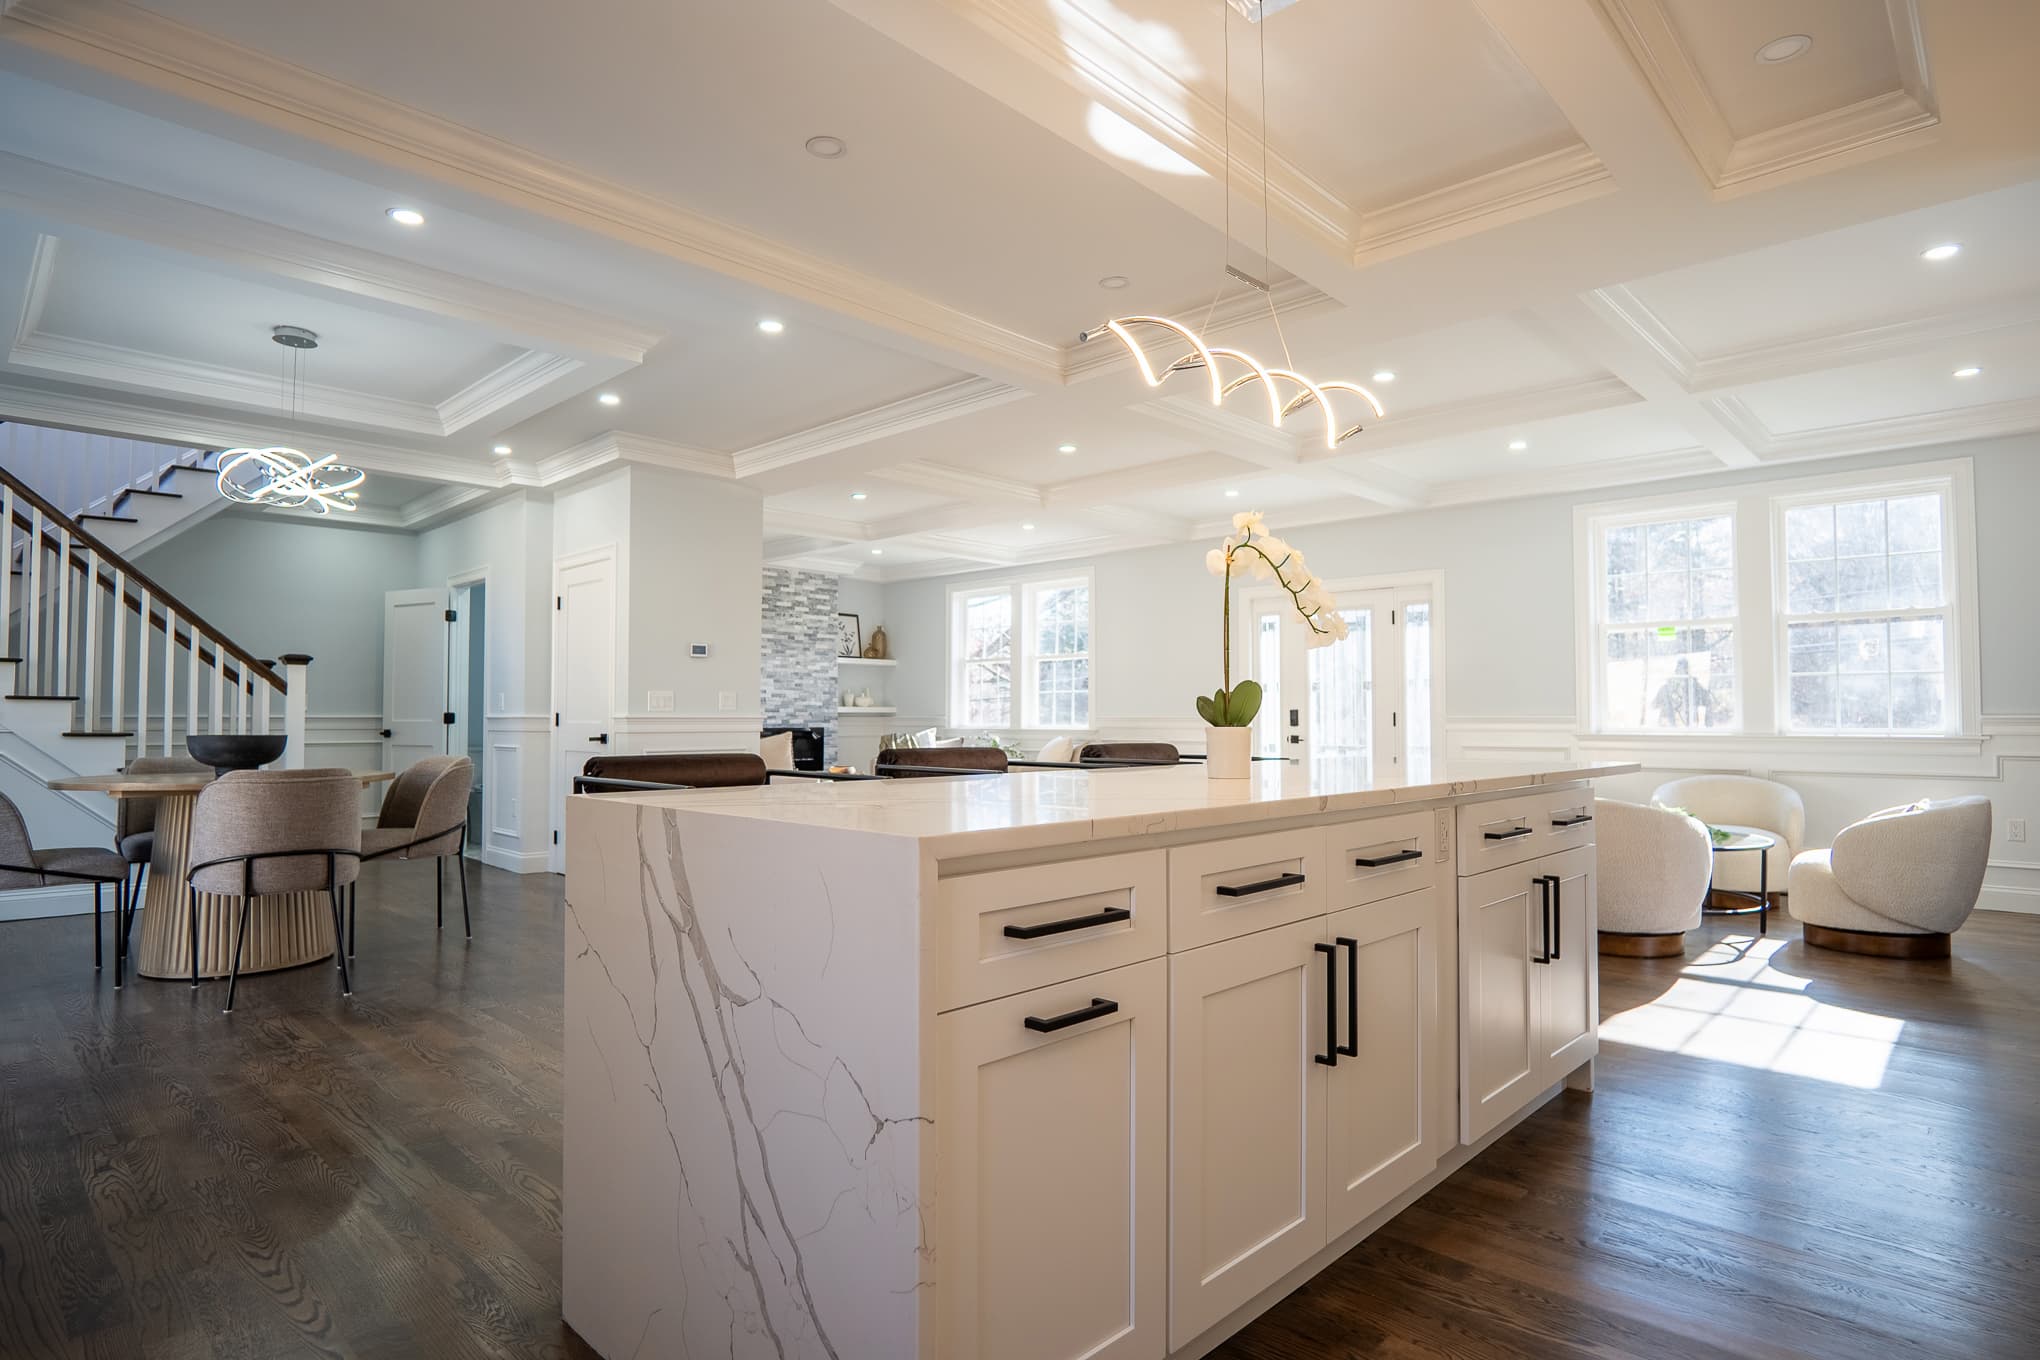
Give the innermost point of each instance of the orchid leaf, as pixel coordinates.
(1244, 704)
(1207, 710)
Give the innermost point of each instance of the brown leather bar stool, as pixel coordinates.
(908, 761)
(1130, 752)
(701, 770)
(23, 866)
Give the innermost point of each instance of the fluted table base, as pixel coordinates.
(284, 929)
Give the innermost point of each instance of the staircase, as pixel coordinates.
(132, 493)
(101, 662)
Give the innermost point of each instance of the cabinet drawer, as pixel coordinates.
(1496, 834)
(1005, 932)
(1226, 888)
(1567, 821)
(1382, 857)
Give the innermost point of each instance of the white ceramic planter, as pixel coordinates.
(1228, 752)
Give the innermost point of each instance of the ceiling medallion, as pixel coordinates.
(1301, 391)
(288, 478)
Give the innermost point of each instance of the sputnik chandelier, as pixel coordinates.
(1301, 391)
(282, 476)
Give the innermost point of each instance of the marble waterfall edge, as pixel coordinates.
(742, 1170)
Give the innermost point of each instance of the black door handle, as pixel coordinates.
(1265, 885)
(1508, 835)
(1099, 1007)
(1557, 945)
(1543, 918)
(1036, 931)
(1330, 1057)
(603, 738)
(1351, 1048)
(1399, 857)
(387, 734)
(1574, 820)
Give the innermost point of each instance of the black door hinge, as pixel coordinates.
(559, 602)
(446, 718)
(556, 838)
(556, 720)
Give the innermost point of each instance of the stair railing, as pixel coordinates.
(69, 611)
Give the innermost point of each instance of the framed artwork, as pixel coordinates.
(849, 636)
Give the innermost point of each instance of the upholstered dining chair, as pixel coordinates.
(910, 761)
(134, 819)
(1898, 883)
(424, 816)
(23, 866)
(1653, 865)
(1743, 800)
(258, 832)
(1132, 752)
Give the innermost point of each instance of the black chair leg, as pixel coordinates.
(240, 938)
(460, 869)
(95, 928)
(120, 911)
(333, 900)
(191, 900)
(353, 911)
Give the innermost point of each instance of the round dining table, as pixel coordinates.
(284, 930)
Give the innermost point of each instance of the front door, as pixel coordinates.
(584, 676)
(414, 676)
(1363, 703)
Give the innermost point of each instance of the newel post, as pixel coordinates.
(296, 692)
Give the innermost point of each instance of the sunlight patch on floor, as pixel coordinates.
(1729, 1005)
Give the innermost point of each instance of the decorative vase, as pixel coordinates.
(876, 651)
(1228, 752)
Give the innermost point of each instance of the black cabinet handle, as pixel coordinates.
(1543, 918)
(1399, 857)
(1265, 885)
(1109, 916)
(1330, 1057)
(602, 737)
(1508, 835)
(1099, 1007)
(1351, 1048)
(1574, 820)
(1557, 945)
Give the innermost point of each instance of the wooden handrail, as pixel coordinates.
(52, 515)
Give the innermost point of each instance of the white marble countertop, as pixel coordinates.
(1030, 809)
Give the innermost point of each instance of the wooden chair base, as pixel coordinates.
(1880, 944)
(1628, 946)
(1719, 899)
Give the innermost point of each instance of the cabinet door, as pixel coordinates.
(1500, 919)
(1246, 1106)
(1051, 1204)
(1568, 1025)
(1380, 1099)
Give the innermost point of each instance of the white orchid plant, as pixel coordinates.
(1250, 550)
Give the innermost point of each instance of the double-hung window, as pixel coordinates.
(1665, 611)
(1020, 654)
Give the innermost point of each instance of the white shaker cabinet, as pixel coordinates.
(1054, 1150)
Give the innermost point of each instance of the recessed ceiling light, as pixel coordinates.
(1232, 494)
(878, 552)
(406, 217)
(771, 326)
(1969, 372)
(610, 399)
(1518, 445)
(1947, 250)
(1113, 281)
(857, 495)
(1028, 527)
(1784, 49)
(1384, 376)
(501, 450)
(828, 148)
(1066, 448)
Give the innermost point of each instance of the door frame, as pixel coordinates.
(468, 725)
(556, 787)
(1429, 583)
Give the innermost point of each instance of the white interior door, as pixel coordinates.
(584, 675)
(414, 676)
(1364, 702)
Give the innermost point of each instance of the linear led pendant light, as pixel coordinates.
(285, 477)
(1206, 356)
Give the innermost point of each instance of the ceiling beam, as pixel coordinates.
(1274, 450)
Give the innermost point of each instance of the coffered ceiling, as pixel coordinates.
(1609, 231)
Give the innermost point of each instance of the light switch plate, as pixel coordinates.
(659, 701)
(726, 700)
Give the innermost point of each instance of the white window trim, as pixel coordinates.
(1760, 636)
(1020, 590)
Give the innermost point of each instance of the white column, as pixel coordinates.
(297, 685)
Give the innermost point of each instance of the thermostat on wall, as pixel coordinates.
(698, 650)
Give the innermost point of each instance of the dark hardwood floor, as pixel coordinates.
(381, 1178)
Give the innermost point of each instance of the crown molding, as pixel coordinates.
(959, 483)
(1503, 409)
(830, 527)
(968, 549)
(1872, 436)
(1859, 345)
(39, 189)
(1556, 179)
(35, 289)
(1196, 469)
(1623, 311)
(614, 448)
(951, 402)
(1818, 143)
(526, 375)
(149, 49)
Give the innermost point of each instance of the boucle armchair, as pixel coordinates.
(1741, 800)
(1653, 865)
(1899, 882)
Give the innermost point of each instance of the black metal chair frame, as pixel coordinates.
(121, 913)
(247, 863)
(459, 858)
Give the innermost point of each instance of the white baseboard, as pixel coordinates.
(34, 904)
(2003, 897)
(515, 861)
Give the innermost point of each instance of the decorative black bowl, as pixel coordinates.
(226, 752)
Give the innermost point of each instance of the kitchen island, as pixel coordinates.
(1044, 1065)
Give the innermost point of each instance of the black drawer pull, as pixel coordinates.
(1265, 885)
(1573, 820)
(1543, 883)
(1508, 835)
(1351, 1048)
(1557, 945)
(1110, 916)
(1330, 1057)
(1099, 1007)
(1399, 857)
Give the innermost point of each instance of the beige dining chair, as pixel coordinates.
(424, 816)
(258, 832)
(22, 866)
(134, 819)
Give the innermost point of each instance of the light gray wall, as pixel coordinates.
(274, 584)
(510, 542)
(696, 554)
(1507, 642)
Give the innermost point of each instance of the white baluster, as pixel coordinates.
(169, 675)
(60, 658)
(263, 689)
(89, 690)
(118, 674)
(7, 589)
(142, 676)
(191, 690)
(219, 686)
(31, 622)
(296, 704)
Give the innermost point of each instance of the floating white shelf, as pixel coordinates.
(868, 708)
(865, 661)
